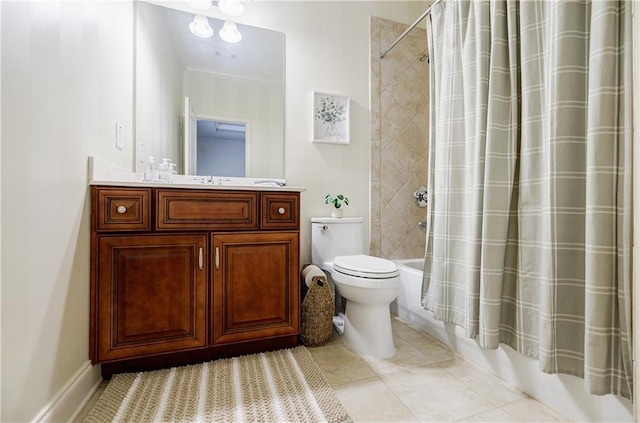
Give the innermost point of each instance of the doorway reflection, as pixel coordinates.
(221, 148)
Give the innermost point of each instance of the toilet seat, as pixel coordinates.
(367, 267)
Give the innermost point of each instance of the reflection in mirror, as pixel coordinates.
(222, 149)
(185, 84)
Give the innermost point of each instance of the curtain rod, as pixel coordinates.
(413, 25)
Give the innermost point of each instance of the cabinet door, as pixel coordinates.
(255, 286)
(151, 295)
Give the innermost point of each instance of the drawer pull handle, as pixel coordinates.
(200, 259)
(121, 209)
(217, 258)
(281, 210)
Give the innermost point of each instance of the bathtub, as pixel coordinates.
(563, 393)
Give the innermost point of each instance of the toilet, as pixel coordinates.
(369, 284)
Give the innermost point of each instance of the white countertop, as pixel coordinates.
(230, 186)
(106, 174)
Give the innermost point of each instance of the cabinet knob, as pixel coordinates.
(281, 210)
(121, 209)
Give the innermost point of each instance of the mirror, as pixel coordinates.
(191, 90)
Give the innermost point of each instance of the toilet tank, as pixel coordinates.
(331, 237)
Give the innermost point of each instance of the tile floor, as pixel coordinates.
(423, 382)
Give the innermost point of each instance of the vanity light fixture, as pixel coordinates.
(231, 7)
(230, 126)
(199, 4)
(200, 27)
(230, 33)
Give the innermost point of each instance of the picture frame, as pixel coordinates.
(330, 117)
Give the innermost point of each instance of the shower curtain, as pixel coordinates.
(529, 228)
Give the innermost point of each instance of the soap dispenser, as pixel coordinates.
(165, 171)
(173, 171)
(150, 173)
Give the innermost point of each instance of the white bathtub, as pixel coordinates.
(563, 393)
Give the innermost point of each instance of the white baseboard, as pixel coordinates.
(68, 402)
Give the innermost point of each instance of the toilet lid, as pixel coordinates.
(365, 267)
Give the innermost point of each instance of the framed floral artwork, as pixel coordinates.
(330, 118)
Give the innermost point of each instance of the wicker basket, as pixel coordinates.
(317, 313)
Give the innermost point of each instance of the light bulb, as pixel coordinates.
(230, 33)
(199, 4)
(200, 27)
(231, 7)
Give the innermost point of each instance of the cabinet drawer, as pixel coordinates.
(280, 211)
(206, 210)
(123, 209)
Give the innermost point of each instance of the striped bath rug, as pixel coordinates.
(278, 386)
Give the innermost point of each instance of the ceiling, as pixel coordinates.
(258, 56)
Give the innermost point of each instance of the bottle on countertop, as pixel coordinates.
(166, 171)
(150, 171)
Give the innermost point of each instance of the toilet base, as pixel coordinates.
(367, 329)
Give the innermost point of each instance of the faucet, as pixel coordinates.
(422, 225)
(420, 197)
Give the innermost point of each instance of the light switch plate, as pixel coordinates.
(119, 136)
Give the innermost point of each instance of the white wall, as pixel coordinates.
(67, 77)
(66, 80)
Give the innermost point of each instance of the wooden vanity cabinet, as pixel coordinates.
(186, 275)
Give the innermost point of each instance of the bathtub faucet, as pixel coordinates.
(422, 225)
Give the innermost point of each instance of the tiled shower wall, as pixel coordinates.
(399, 139)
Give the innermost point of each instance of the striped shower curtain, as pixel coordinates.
(529, 228)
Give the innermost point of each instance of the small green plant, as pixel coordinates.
(336, 201)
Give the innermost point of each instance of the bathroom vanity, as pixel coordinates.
(188, 274)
